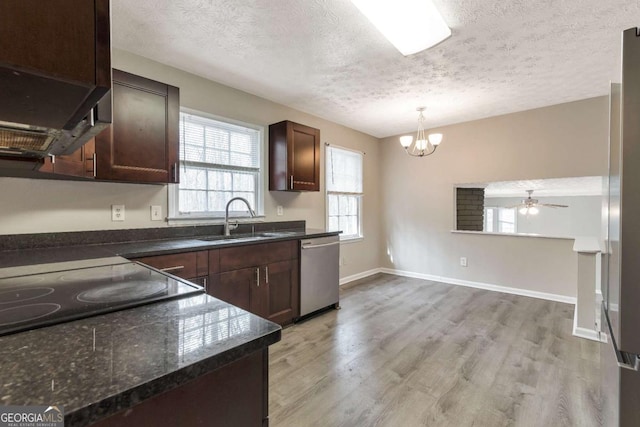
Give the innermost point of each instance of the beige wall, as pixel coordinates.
(408, 203)
(418, 197)
(32, 206)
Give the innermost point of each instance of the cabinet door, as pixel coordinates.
(304, 158)
(294, 157)
(235, 287)
(282, 291)
(142, 143)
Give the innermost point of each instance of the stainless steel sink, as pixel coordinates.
(248, 237)
(278, 233)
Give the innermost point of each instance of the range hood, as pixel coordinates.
(55, 79)
(30, 140)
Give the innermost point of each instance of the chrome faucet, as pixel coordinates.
(228, 227)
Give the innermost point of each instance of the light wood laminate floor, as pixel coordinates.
(409, 352)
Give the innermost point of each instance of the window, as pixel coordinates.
(344, 192)
(500, 220)
(219, 160)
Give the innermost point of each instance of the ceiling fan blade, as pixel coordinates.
(519, 205)
(552, 205)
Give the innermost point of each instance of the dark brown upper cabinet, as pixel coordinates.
(142, 144)
(294, 157)
(55, 65)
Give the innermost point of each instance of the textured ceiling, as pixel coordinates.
(325, 58)
(578, 186)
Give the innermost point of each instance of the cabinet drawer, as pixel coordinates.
(255, 255)
(186, 265)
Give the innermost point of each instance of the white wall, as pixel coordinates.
(33, 206)
(582, 217)
(418, 198)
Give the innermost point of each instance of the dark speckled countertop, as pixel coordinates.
(143, 248)
(100, 365)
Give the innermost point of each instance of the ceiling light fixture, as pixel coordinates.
(410, 25)
(425, 145)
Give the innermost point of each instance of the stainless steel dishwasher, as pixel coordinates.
(319, 273)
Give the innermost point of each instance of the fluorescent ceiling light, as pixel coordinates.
(410, 25)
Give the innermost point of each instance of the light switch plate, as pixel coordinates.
(156, 213)
(279, 211)
(117, 212)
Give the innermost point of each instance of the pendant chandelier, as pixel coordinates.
(424, 145)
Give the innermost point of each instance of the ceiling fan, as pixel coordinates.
(529, 206)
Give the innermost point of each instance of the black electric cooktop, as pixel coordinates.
(36, 300)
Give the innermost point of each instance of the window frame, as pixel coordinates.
(175, 216)
(360, 196)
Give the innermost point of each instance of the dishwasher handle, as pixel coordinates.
(323, 245)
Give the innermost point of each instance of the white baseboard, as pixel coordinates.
(359, 276)
(480, 285)
(589, 334)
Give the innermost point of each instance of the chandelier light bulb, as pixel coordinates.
(406, 140)
(435, 139)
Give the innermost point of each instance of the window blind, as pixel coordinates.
(219, 161)
(344, 170)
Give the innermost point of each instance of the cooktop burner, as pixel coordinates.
(23, 294)
(42, 299)
(125, 291)
(25, 313)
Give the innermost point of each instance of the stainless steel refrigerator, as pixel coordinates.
(621, 264)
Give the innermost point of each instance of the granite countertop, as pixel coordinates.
(100, 365)
(143, 248)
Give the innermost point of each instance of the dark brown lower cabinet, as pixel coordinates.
(235, 287)
(233, 395)
(262, 279)
(281, 292)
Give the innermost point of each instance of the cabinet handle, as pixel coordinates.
(258, 276)
(291, 182)
(175, 268)
(266, 275)
(174, 173)
(204, 282)
(53, 159)
(95, 162)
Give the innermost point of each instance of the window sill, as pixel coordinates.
(197, 220)
(352, 239)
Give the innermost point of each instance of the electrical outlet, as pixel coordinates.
(117, 212)
(280, 211)
(463, 261)
(156, 213)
